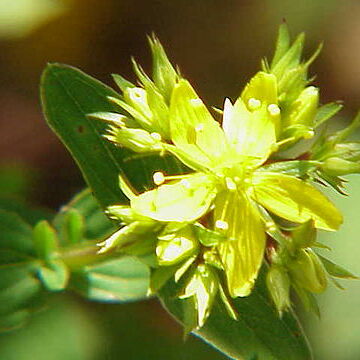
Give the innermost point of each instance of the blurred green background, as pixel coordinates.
(218, 46)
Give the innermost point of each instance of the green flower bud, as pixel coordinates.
(308, 272)
(45, 240)
(304, 235)
(137, 98)
(347, 151)
(127, 215)
(303, 109)
(278, 284)
(336, 166)
(202, 287)
(127, 235)
(138, 140)
(174, 248)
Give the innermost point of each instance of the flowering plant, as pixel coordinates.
(218, 221)
(239, 201)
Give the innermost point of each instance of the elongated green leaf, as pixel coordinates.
(19, 286)
(298, 168)
(68, 95)
(15, 234)
(337, 270)
(30, 214)
(117, 280)
(259, 333)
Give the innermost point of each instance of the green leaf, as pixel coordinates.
(68, 95)
(54, 275)
(336, 270)
(15, 234)
(117, 280)
(30, 214)
(298, 168)
(326, 112)
(259, 333)
(282, 44)
(18, 285)
(164, 73)
(289, 59)
(45, 240)
(74, 226)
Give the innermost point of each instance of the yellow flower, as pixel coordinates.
(231, 181)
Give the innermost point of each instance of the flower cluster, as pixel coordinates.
(240, 201)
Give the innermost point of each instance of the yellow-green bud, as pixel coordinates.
(175, 248)
(202, 286)
(335, 166)
(138, 140)
(303, 109)
(308, 272)
(278, 284)
(137, 98)
(304, 235)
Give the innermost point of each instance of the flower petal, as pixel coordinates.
(192, 127)
(251, 132)
(262, 87)
(242, 253)
(295, 200)
(181, 201)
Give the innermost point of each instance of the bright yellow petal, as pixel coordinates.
(295, 200)
(242, 253)
(251, 132)
(184, 200)
(262, 87)
(192, 127)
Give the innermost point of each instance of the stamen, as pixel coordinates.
(220, 224)
(156, 136)
(309, 134)
(158, 178)
(230, 184)
(199, 127)
(273, 109)
(270, 226)
(196, 102)
(185, 183)
(254, 104)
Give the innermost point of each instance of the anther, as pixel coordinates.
(199, 127)
(185, 183)
(254, 104)
(273, 109)
(196, 102)
(220, 224)
(158, 178)
(230, 184)
(156, 136)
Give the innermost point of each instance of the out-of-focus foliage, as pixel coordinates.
(18, 18)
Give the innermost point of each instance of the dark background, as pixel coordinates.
(218, 46)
